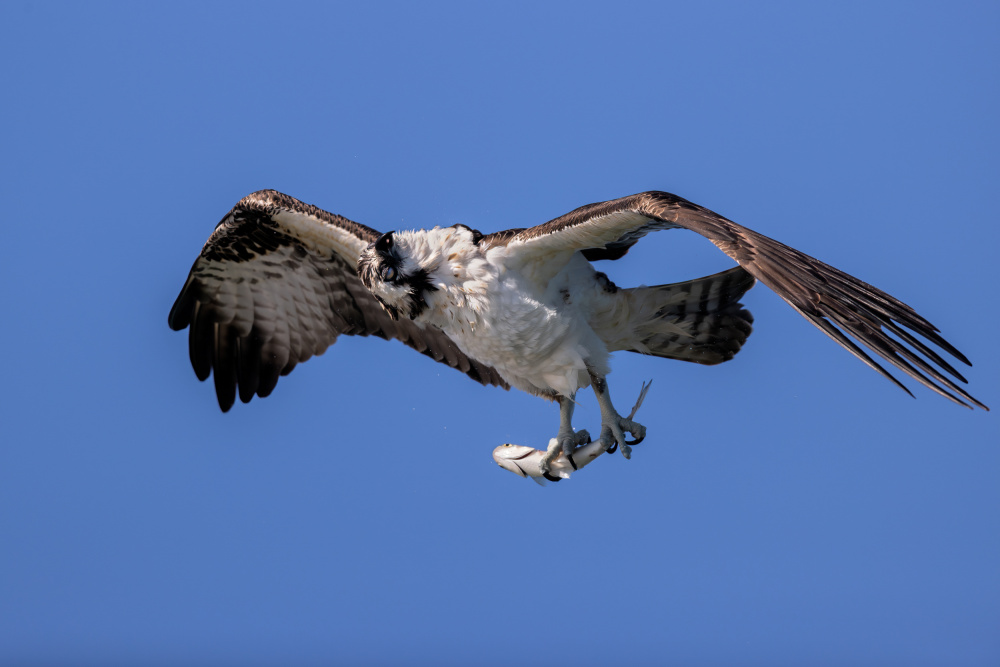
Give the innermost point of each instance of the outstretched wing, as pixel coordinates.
(834, 301)
(275, 284)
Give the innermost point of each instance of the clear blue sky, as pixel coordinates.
(788, 508)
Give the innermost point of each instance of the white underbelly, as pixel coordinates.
(537, 347)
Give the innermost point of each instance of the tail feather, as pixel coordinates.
(699, 320)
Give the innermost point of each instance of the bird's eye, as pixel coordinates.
(388, 273)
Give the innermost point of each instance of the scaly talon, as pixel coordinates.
(613, 425)
(567, 445)
(579, 439)
(613, 435)
(636, 429)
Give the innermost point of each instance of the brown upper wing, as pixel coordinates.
(275, 284)
(832, 300)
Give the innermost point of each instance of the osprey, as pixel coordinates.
(279, 280)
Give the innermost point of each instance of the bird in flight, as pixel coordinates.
(279, 280)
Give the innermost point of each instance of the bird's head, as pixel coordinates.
(395, 279)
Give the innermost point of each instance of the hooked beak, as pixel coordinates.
(392, 310)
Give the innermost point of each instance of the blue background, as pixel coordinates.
(789, 507)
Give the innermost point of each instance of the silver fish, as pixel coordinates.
(526, 461)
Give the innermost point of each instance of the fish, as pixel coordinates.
(526, 461)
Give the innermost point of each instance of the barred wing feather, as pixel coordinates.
(840, 305)
(276, 284)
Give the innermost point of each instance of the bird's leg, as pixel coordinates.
(613, 425)
(567, 438)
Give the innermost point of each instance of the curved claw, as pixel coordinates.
(613, 434)
(613, 439)
(640, 435)
(636, 429)
(579, 439)
(567, 445)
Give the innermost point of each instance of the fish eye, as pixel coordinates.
(388, 273)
